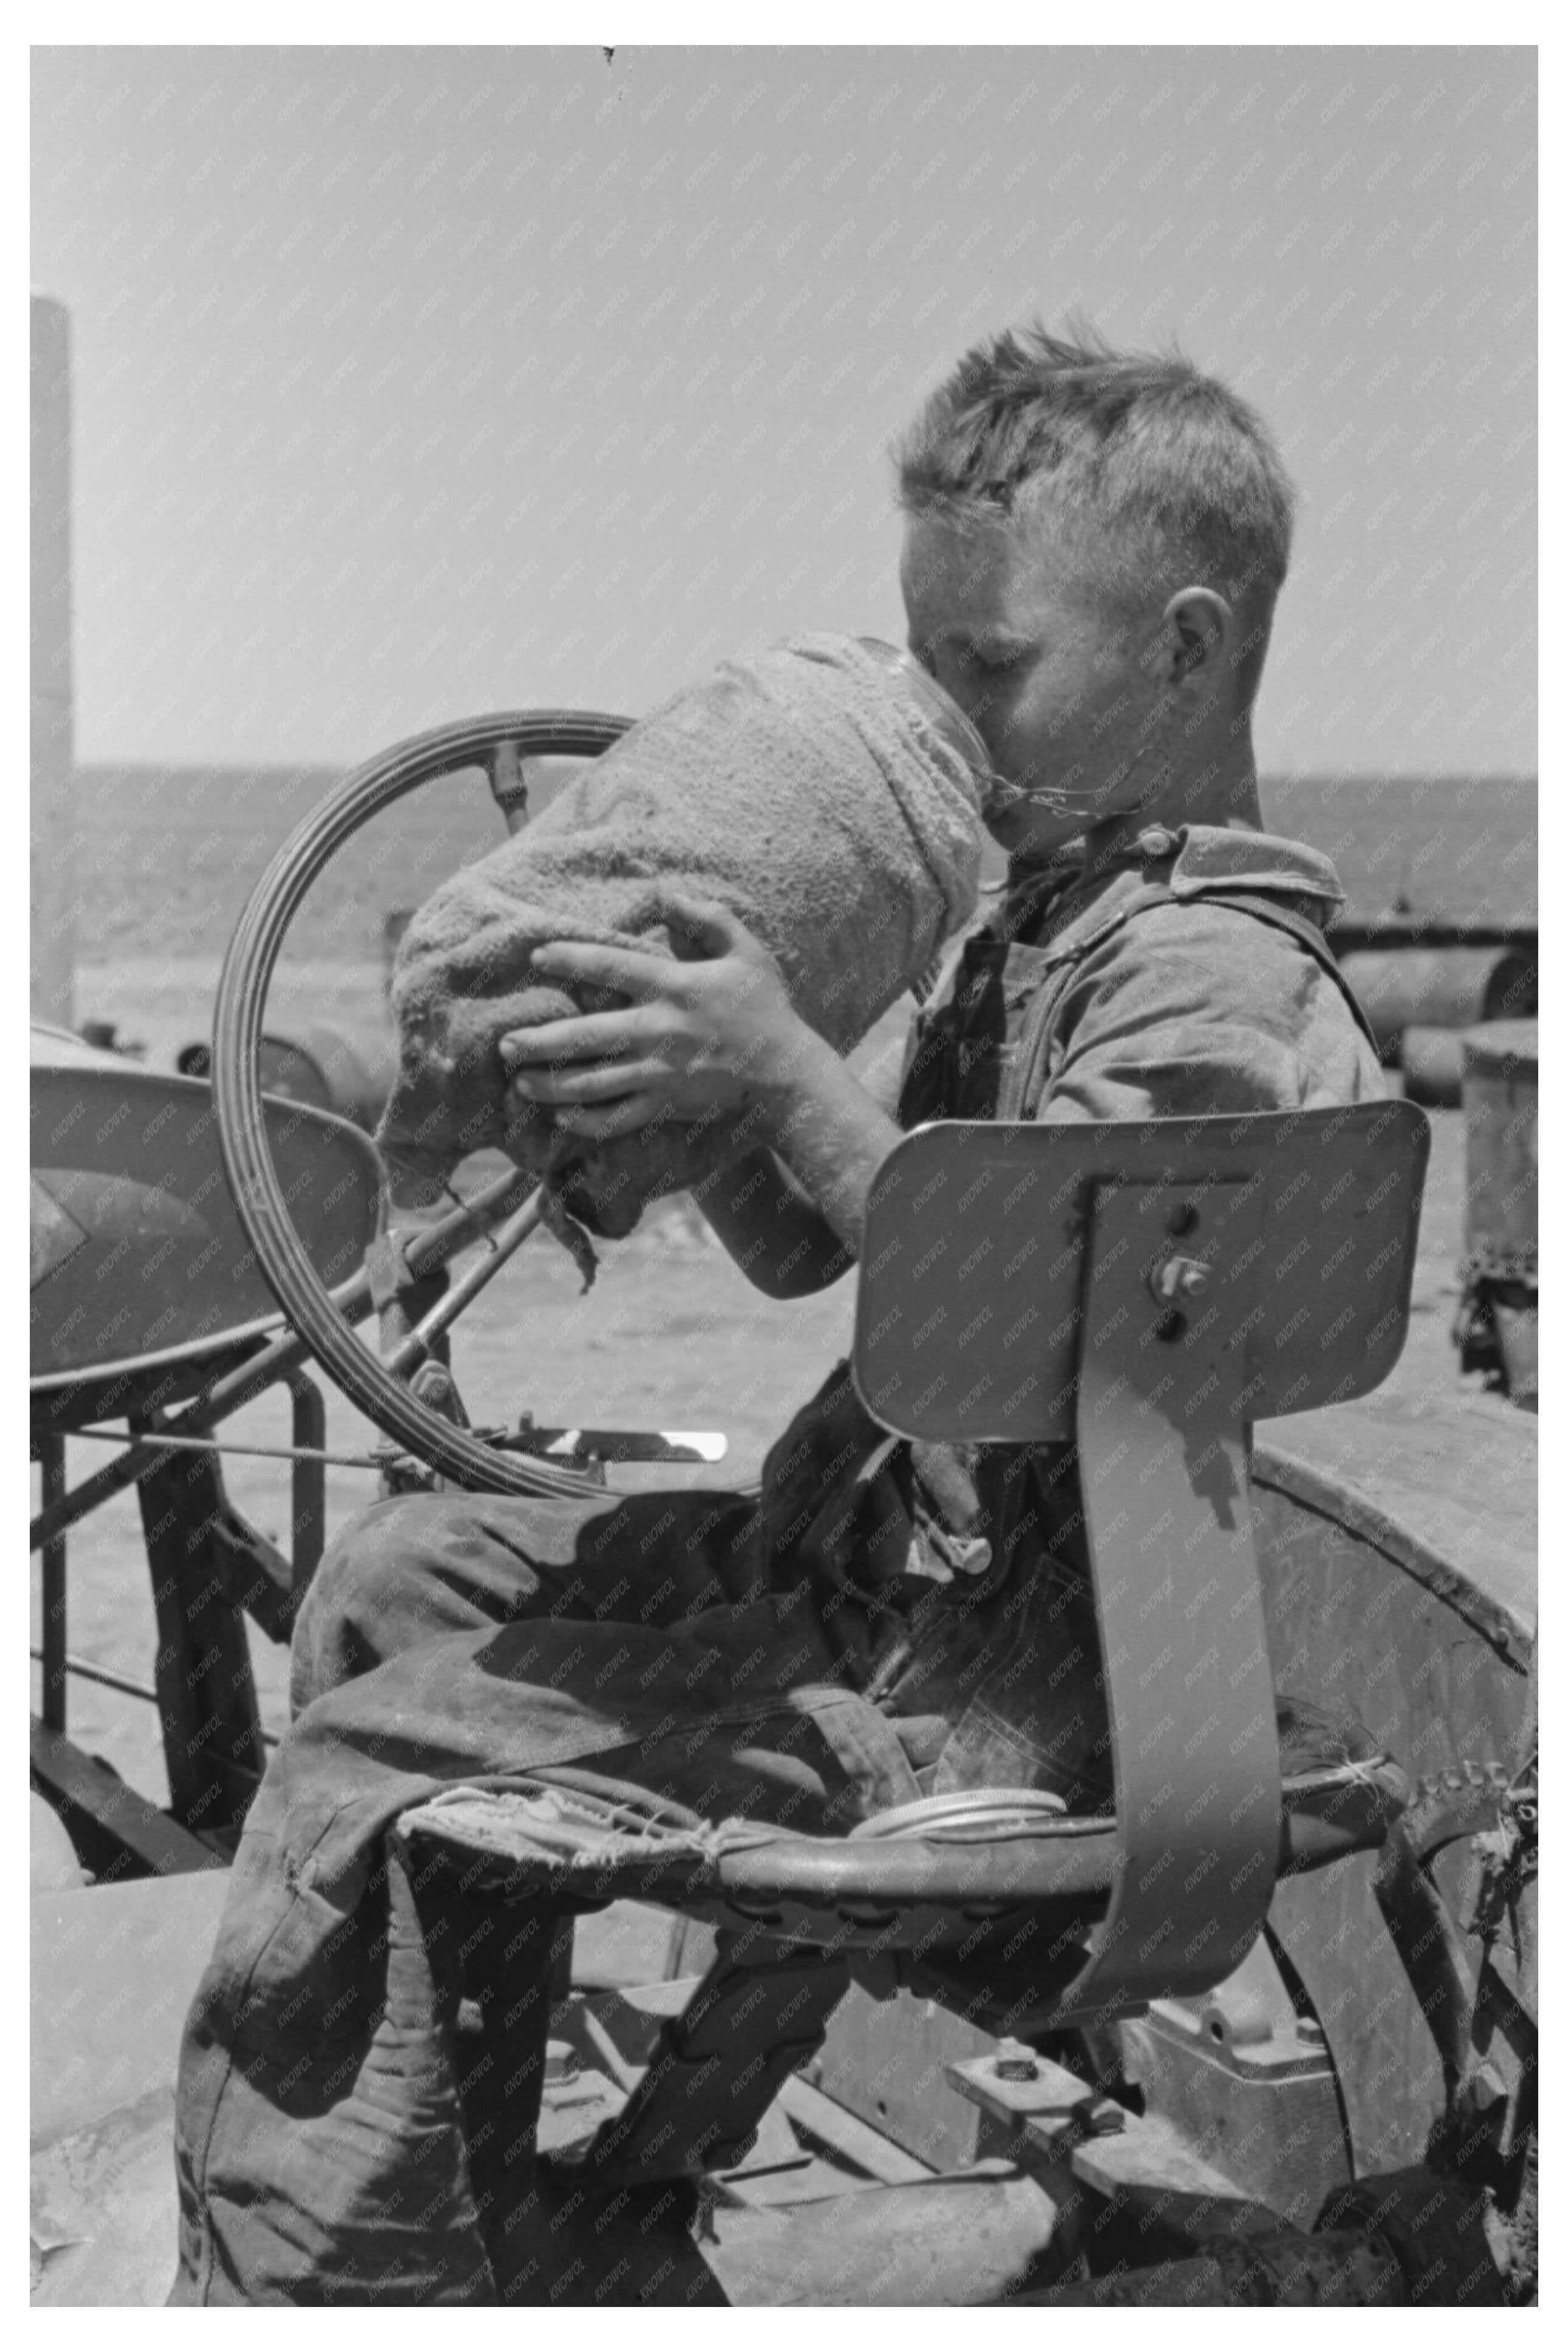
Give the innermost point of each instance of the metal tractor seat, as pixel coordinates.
(1145, 1292)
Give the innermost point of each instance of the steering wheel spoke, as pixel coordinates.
(504, 1243)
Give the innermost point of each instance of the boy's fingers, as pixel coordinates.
(606, 967)
(706, 921)
(599, 1082)
(605, 1126)
(591, 1036)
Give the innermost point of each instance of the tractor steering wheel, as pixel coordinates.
(237, 1024)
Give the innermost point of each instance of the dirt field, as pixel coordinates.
(671, 1335)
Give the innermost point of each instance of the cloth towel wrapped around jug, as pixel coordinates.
(825, 791)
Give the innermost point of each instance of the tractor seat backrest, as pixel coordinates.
(1287, 1239)
(1147, 1292)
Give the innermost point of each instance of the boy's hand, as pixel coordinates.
(715, 1031)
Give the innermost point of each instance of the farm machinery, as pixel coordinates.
(1259, 2037)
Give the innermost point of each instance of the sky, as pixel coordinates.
(410, 384)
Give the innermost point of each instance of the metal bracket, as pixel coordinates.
(402, 1297)
(50, 1451)
(117, 1832)
(717, 2068)
(1162, 1437)
(308, 1483)
(508, 775)
(207, 1566)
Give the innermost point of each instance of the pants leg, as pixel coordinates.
(447, 1638)
(412, 1568)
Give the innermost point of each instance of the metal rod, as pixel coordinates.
(91, 1674)
(274, 1362)
(467, 1288)
(168, 1442)
(52, 1455)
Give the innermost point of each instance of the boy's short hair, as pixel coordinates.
(1185, 474)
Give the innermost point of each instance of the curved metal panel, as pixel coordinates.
(138, 1257)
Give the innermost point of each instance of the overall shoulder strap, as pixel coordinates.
(1307, 935)
(1024, 1083)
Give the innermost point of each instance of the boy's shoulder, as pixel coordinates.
(1064, 912)
(1211, 860)
(1214, 992)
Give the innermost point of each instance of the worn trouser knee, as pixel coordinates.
(406, 1571)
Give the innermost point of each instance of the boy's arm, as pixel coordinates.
(769, 1220)
(772, 1227)
(831, 1136)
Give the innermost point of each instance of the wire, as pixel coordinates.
(485, 1234)
(227, 1445)
(90, 1673)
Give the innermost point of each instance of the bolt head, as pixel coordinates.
(1178, 1276)
(1015, 2063)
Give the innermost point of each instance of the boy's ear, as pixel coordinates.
(1198, 626)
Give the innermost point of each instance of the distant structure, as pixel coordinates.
(52, 897)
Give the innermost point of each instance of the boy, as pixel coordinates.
(1094, 545)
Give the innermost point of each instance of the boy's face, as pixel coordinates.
(1003, 616)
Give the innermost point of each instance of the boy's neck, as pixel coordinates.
(1218, 791)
